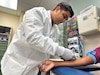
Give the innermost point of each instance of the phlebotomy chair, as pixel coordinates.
(84, 70)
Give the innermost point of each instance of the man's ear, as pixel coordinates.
(57, 8)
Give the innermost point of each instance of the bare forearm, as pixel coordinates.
(75, 63)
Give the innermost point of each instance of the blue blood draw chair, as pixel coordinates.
(75, 71)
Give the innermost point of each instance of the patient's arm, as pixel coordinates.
(48, 64)
(75, 63)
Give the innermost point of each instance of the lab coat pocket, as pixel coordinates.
(13, 67)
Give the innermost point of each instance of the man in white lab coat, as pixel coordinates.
(35, 40)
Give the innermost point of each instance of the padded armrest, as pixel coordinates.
(89, 68)
(69, 71)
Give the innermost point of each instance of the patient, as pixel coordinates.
(91, 57)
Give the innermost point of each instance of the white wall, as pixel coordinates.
(10, 20)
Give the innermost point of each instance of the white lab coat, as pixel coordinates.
(32, 43)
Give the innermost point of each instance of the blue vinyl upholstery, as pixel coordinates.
(69, 71)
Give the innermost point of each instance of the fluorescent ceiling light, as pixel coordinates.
(12, 4)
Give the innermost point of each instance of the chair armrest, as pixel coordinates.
(69, 71)
(89, 68)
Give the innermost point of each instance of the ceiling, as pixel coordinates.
(24, 5)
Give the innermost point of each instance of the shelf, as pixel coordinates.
(71, 33)
(4, 34)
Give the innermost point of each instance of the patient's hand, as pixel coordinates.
(47, 65)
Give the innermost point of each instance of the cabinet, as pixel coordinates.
(5, 33)
(89, 21)
(5, 36)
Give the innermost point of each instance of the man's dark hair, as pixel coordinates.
(66, 7)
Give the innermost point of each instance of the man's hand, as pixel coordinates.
(47, 65)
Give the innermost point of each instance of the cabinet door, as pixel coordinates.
(88, 22)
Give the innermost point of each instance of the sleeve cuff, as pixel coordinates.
(91, 54)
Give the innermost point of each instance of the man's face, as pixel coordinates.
(61, 16)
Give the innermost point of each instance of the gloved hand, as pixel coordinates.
(65, 53)
(68, 55)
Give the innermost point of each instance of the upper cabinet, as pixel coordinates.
(89, 21)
